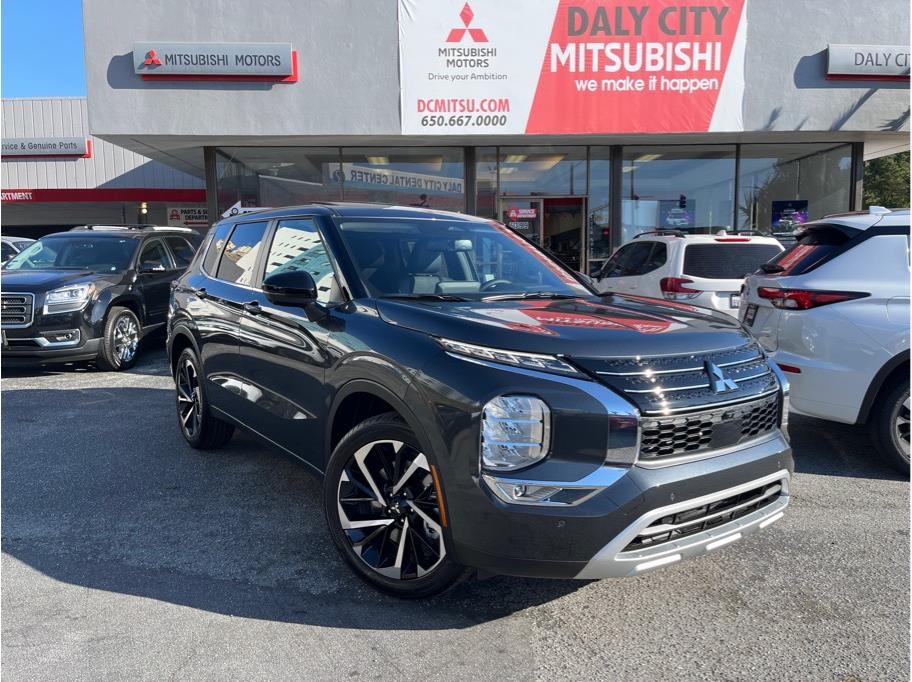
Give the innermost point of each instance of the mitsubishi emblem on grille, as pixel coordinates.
(718, 382)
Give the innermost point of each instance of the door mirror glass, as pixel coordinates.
(151, 266)
(290, 287)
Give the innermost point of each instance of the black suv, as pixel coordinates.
(470, 402)
(90, 293)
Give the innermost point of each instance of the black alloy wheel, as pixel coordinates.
(384, 513)
(198, 426)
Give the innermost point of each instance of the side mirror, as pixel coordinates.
(151, 266)
(290, 287)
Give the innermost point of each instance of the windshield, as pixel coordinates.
(97, 254)
(456, 260)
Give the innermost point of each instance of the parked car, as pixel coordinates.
(704, 270)
(833, 312)
(470, 402)
(10, 246)
(91, 293)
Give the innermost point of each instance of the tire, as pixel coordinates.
(890, 425)
(377, 472)
(198, 426)
(120, 343)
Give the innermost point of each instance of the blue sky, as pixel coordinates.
(41, 50)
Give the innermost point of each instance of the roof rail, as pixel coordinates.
(132, 226)
(878, 210)
(671, 233)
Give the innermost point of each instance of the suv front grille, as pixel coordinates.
(691, 521)
(710, 430)
(691, 404)
(17, 310)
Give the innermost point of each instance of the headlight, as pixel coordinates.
(515, 432)
(67, 299)
(547, 363)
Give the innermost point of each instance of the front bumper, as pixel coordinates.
(35, 344)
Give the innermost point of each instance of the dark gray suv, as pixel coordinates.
(470, 402)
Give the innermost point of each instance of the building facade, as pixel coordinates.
(56, 175)
(579, 124)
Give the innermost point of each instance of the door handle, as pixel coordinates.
(200, 293)
(253, 308)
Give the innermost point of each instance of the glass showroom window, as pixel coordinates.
(407, 176)
(486, 182)
(546, 171)
(782, 186)
(277, 176)
(676, 188)
(598, 213)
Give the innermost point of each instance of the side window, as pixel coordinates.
(297, 246)
(7, 251)
(154, 252)
(216, 244)
(181, 250)
(657, 258)
(628, 260)
(240, 256)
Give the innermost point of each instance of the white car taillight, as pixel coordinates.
(515, 432)
(673, 289)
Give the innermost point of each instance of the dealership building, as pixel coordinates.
(580, 124)
(56, 175)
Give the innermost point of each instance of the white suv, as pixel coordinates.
(833, 312)
(704, 270)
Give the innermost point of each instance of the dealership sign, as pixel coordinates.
(188, 216)
(868, 62)
(571, 66)
(375, 177)
(216, 61)
(47, 146)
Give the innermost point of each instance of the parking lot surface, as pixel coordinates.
(128, 555)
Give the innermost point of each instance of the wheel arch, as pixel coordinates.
(181, 337)
(360, 399)
(896, 367)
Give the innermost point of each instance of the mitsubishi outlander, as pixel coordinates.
(472, 404)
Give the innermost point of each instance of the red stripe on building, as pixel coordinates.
(104, 194)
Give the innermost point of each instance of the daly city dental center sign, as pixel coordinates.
(571, 66)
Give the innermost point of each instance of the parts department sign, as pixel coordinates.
(571, 66)
(188, 216)
(47, 146)
(216, 61)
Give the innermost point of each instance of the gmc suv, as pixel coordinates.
(91, 294)
(470, 402)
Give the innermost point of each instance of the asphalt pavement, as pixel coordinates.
(127, 555)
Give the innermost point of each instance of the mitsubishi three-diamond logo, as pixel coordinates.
(457, 34)
(152, 59)
(718, 382)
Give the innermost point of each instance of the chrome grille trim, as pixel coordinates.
(649, 373)
(695, 387)
(17, 310)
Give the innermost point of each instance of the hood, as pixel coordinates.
(583, 327)
(40, 281)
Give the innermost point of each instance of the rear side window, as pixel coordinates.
(216, 244)
(808, 252)
(182, 251)
(239, 258)
(726, 261)
(636, 259)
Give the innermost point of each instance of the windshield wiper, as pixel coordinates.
(425, 297)
(527, 295)
(770, 268)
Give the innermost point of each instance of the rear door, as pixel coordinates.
(156, 272)
(719, 267)
(818, 244)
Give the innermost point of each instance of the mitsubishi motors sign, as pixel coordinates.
(215, 61)
(571, 66)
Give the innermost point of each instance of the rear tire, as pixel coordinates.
(384, 517)
(120, 343)
(890, 425)
(198, 426)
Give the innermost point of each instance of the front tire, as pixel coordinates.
(383, 512)
(120, 343)
(890, 426)
(198, 426)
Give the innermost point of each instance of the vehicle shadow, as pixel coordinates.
(108, 496)
(833, 449)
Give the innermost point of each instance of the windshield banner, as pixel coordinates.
(571, 66)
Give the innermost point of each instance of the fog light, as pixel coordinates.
(515, 433)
